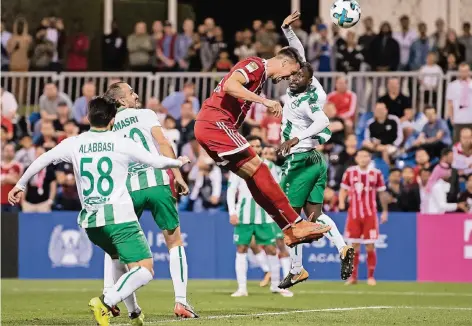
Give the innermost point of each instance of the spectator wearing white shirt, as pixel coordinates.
(171, 132)
(9, 104)
(430, 78)
(459, 101)
(462, 153)
(405, 39)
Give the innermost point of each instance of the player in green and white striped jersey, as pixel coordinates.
(100, 159)
(250, 220)
(149, 188)
(305, 126)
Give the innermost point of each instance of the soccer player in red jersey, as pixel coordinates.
(360, 184)
(216, 129)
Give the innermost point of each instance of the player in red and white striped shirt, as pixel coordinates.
(360, 185)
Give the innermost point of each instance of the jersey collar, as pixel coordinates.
(95, 130)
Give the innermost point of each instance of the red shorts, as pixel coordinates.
(221, 140)
(362, 230)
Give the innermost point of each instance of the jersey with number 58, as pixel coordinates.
(100, 161)
(137, 124)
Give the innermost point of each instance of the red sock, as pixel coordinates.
(371, 262)
(356, 266)
(267, 193)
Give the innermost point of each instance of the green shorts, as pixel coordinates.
(125, 240)
(277, 231)
(263, 233)
(160, 202)
(304, 178)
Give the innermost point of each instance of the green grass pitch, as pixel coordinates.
(315, 303)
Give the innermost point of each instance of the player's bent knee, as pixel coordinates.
(370, 247)
(173, 238)
(270, 250)
(244, 163)
(242, 249)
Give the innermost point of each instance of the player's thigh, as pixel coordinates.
(353, 230)
(278, 233)
(130, 242)
(163, 207)
(264, 234)
(370, 229)
(101, 237)
(139, 199)
(243, 234)
(320, 171)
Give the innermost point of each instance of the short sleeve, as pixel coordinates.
(150, 118)
(251, 69)
(380, 185)
(346, 181)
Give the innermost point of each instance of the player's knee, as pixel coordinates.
(369, 247)
(173, 238)
(242, 249)
(270, 250)
(356, 246)
(148, 264)
(244, 163)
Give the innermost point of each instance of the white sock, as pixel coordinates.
(333, 235)
(241, 271)
(179, 273)
(274, 265)
(119, 270)
(127, 284)
(296, 255)
(262, 261)
(286, 263)
(108, 280)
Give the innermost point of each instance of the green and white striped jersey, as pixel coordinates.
(137, 124)
(248, 211)
(297, 116)
(100, 160)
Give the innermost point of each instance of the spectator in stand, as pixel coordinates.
(70, 130)
(4, 136)
(345, 102)
(336, 124)
(431, 76)
(257, 26)
(5, 36)
(420, 49)
(395, 101)
(405, 39)
(394, 190)
(174, 101)
(438, 38)
(18, 46)
(453, 46)
(184, 42)
(157, 31)
(301, 34)
(349, 56)
(113, 49)
(384, 50)
(172, 133)
(459, 101)
(466, 40)
(206, 178)
(185, 124)
(422, 161)
(194, 53)
(223, 63)
(452, 65)
(154, 105)
(139, 48)
(167, 49)
(47, 138)
(11, 171)
(266, 40)
(321, 52)
(49, 101)
(435, 135)
(463, 153)
(339, 163)
(410, 199)
(466, 195)
(8, 104)
(212, 48)
(79, 45)
(8, 125)
(383, 133)
(27, 153)
(43, 51)
(330, 200)
(63, 116)
(40, 190)
(55, 33)
(247, 48)
(271, 126)
(365, 41)
(80, 108)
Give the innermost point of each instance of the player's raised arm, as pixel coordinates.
(292, 38)
(57, 154)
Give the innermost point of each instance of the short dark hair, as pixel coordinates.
(290, 53)
(114, 92)
(425, 170)
(251, 138)
(306, 66)
(466, 25)
(395, 170)
(430, 107)
(408, 168)
(101, 111)
(446, 151)
(365, 149)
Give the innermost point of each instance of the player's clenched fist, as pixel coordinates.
(233, 219)
(274, 107)
(184, 160)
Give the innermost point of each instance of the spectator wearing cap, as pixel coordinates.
(80, 108)
(320, 53)
(384, 50)
(174, 101)
(139, 48)
(184, 42)
(462, 152)
(167, 51)
(459, 101)
(466, 40)
(405, 39)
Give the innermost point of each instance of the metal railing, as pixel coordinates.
(369, 86)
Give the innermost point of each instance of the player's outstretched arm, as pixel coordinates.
(292, 38)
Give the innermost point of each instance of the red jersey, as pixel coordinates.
(345, 103)
(272, 126)
(221, 106)
(7, 168)
(362, 187)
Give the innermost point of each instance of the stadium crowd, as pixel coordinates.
(417, 150)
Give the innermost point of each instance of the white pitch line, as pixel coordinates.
(232, 316)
